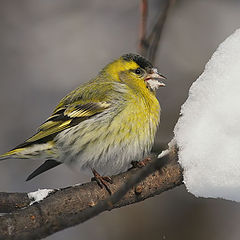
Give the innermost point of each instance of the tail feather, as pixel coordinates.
(10, 154)
(43, 168)
(2, 157)
(33, 151)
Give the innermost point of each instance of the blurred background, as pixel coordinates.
(47, 48)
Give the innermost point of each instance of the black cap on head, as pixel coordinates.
(141, 61)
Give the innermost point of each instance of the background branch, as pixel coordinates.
(142, 48)
(148, 45)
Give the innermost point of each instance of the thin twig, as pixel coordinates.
(154, 37)
(148, 45)
(143, 26)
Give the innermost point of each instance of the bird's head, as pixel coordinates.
(134, 69)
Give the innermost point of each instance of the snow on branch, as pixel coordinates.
(39, 195)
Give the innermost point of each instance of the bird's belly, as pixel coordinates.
(106, 145)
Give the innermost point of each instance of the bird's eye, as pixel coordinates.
(138, 71)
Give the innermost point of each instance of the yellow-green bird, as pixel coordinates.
(103, 125)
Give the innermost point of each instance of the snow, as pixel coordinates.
(153, 82)
(39, 195)
(163, 153)
(208, 132)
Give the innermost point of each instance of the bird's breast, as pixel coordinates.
(111, 140)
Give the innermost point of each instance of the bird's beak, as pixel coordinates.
(153, 79)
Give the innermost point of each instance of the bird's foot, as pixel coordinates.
(102, 180)
(140, 164)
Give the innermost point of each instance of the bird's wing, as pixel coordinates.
(65, 117)
(83, 103)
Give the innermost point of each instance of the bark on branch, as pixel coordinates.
(73, 205)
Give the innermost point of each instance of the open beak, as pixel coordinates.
(154, 79)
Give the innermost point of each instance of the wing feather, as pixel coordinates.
(82, 103)
(71, 116)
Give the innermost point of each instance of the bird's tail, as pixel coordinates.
(33, 151)
(10, 154)
(25, 151)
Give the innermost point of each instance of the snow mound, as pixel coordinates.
(208, 132)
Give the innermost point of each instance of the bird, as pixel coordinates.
(103, 125)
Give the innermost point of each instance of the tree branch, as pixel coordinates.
(73, 205)
(156, 33)
(10, 202)
(142, 47)
(148, 45)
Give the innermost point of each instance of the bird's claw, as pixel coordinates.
(102, 180)
(140, 164)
